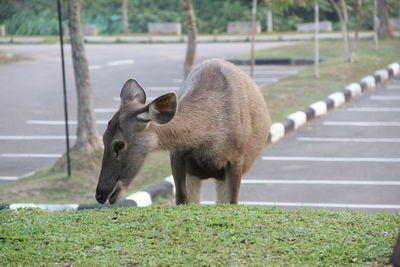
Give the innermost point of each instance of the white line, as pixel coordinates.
(94, 67)
(8, 178)
(120, 62)
(106, 110)
(352, 140)
(274, 72)
(177, 80)
(331, 159)
(361, 123)
(35, 137)
(149, 98)
(313, 205)
(383, 97)
(330, 182)
(266, 79)
(45, 122)
(21, 155)
(374, 109)
(393, 86)
(161, 88)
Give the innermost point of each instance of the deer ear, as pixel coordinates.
(132, 91)
(161, 110)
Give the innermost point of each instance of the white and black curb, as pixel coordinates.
(300, 118)
(139, 199)
(277, 131)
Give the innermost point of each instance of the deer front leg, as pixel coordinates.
(179, 174)
(233, 177)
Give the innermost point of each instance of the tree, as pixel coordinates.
(88, 140)
(342, 12)
(384, 28)
(125, 19)
(190, 57)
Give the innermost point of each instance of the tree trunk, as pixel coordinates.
(269, 26)
(384, 28)
(125, 19)
(376, 25)
(359, 16)
(88, 140)
(190, 57)
(253, 35)
(343, 17)
(316, 40)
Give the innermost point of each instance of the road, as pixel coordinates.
(31, 120)
(348, 159)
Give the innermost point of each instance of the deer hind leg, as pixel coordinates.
(222, 192)
(193, 189)
(233, 177)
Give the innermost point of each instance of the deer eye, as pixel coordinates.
(118, 146)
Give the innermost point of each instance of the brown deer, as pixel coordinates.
(215, 129)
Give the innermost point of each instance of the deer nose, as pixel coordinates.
(101, 198)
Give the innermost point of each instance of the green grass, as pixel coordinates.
(298, 91)
(196, 236)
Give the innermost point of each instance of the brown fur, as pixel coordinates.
(218, 130)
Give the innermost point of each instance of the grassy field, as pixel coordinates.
(283, 98)
(196, 236)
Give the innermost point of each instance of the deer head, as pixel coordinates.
(129, 137)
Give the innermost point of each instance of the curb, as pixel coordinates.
(300, 118)
(277, 131)
(275, 61)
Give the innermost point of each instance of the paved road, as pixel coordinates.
(347, 159)
(31, 127)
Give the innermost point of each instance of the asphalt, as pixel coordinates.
(31, 91)
(348, 159)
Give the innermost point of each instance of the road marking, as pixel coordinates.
(361, 123)
(330, 182)
(350, 140)
(313, 205)
(331, 159)
(149, 98)
(106, 110)
(8, 178)
(45, 122)
(35, 137)
(94, 67)
(393, 86)
(266, 79)
(21, 155)
(162, 88)
(273, 72)
(383, 97)
(120, 62)
(177, 80)
(374, 109)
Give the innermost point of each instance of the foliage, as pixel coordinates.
(33, 17)
(196, 236)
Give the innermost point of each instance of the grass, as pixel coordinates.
(196, 236)
(298, 91)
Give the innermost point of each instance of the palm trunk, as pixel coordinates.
(88, 139)
(357, 28)
(343, 17)
(190, 57)
(125, 19)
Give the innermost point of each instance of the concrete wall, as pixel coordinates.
(324, 26)
(395, 23)
(2, 30)
(243, 27)
(164, 28)
(88, 30)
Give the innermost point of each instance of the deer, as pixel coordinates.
(214, 127)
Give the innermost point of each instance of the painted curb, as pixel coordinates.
(277, 132)
(298, 119)
(139, 199)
